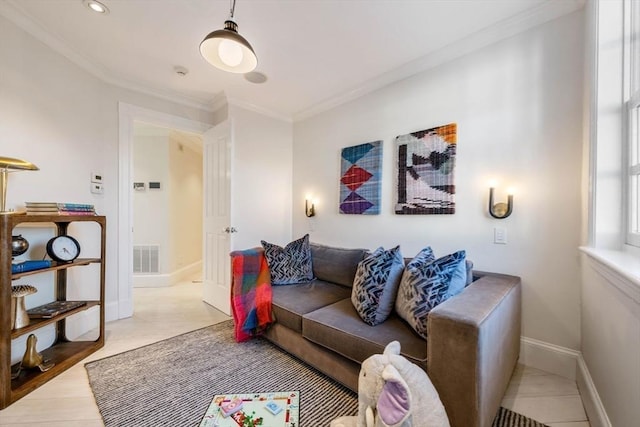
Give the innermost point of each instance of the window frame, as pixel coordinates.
(631, 120)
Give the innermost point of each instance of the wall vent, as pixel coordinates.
(146, 259)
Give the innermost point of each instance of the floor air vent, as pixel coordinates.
(145, 259)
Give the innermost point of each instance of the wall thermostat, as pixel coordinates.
(97, 188)
(96, 177)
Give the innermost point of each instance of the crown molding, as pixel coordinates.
(539, 15)
(260, 110)
(219, 101)
(546, 12)
(12, 11)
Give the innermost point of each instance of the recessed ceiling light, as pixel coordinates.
(180, 70)
(96, 6)
(255, 77)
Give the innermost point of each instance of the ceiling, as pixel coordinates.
(315, 53)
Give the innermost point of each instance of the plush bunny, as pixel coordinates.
(393, 392)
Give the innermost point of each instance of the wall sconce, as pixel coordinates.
(309, 208)
(500, 210)
(8, 164)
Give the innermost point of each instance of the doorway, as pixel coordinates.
(167, 206)
(129, 115)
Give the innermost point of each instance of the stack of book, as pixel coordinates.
(51, 208)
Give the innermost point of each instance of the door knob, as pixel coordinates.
(230, 230)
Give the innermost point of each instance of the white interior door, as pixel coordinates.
(217, 227)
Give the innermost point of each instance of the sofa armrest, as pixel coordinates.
(473, 346)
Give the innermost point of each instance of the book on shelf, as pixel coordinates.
(47, 311)
(68, 213)
(39, 209)
(25, 266)
(54, 208)
(56, 205)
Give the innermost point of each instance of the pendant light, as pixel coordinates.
(228, 50)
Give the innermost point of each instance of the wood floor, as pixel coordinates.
(67, 401)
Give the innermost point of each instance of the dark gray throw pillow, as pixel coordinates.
(291, 264)
(376, 284)
(427, 282)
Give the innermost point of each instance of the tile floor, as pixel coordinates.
(67, 401)
(548, 398)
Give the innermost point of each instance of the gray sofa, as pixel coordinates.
(473, 338)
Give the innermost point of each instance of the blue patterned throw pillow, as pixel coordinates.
(427, 282)
(291, 264)
(376, 284)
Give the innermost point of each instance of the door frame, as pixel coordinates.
(128, 114)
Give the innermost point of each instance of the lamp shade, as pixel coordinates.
(9, 163)
(228, 50)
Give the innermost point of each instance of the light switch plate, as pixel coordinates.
(500, 235)
(97, 188)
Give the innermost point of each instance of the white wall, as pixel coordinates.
(262, 176)
(185, 207)
(610, 345)
(151, 207)
(65, 120)
(518, 106)
(169, 217)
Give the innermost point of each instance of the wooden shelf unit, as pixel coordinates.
(63, 353)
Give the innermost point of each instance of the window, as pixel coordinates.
(632, 119)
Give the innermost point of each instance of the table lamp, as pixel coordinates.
(8, 164)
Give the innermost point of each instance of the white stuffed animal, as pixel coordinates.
(393, 392)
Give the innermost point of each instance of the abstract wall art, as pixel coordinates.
(361, 178)
(426, 164)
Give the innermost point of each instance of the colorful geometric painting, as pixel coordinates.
(426, 162)
(360, 179)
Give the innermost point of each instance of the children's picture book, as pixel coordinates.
(277, 409)
(47, 311)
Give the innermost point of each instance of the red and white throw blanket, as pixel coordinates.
(250, 293)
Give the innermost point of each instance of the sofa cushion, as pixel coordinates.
(376, 284)
(340, 328)
(291, 264)
(426, 283)
(292, 301)
(337, 265)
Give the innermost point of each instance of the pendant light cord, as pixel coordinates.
(233, 7)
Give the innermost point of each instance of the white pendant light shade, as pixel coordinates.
(228, 50)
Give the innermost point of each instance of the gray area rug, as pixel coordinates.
(171, 383)
(507, 418)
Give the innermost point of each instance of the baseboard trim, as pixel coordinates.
(165, 280)
(151, 280)
(550, 358)
(186, 272)
(569, 364)
(111, 311)
(118, 310)
(590, 397)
